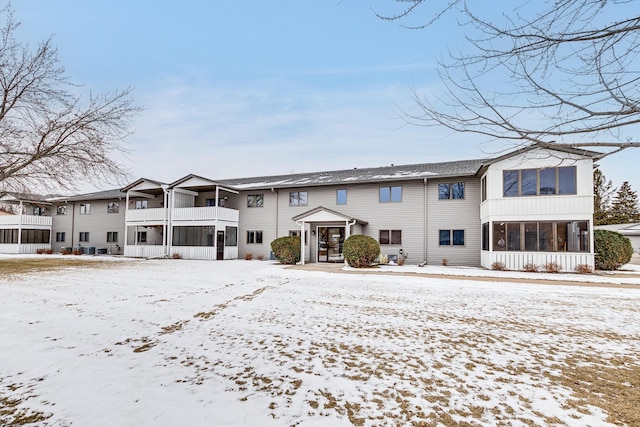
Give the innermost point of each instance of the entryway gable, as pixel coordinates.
(324, 215)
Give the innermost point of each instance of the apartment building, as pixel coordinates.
(533, 205)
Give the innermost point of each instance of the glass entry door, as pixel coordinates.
(330, 243)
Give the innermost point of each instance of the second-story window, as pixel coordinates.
(61, 209)
(255, 200)
(113, 207)
(298, 198)
(341, 196)
(451, 191)
(85, 208)
(39, 211)
(390, 194)
(141, 204)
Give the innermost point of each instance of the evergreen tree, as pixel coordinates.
(602, 192)
(625, 206)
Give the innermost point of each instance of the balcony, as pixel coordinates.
(146, 216)
(204, 214)
(25, 220)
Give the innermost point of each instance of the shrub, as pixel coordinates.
(77, 252)
(260, 257)
(530, 267)
(552, 267)
(48, 251)
(612, 249)
(360, 250)
(248, 256)
(584, 269)
(176, 255)
(65, 252)
(498, 266)
(444, 262)
(286, 249)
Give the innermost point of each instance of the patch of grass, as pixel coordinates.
(30, 265)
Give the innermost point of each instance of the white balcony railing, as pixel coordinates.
(196, 214)
(143, 251)
(29, 248)
(44, 221)
(205, 214)
(156, 215)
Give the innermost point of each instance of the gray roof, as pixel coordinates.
(99, 195)
(349, 176)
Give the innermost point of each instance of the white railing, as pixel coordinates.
(195, 252)
(204, 252)
(157, 215)
(517, 260)
(25, 220)
(144, 251)
(209, 213)
(30, 248)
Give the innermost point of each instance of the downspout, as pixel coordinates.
(126, 227)
(426, 224)
(73, 222)
(273, 190)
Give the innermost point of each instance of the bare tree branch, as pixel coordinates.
(572, 71)
(51, 138)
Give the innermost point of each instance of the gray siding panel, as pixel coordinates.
(456, 214)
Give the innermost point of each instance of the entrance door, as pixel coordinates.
(220, 242)
(330, 243)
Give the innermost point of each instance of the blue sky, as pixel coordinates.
(244, 88)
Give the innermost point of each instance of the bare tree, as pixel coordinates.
(50, 137)
(569, 71)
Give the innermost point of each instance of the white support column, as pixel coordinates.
(302, 241)
(126, 227)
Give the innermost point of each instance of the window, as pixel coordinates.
(458, 237)
(539, 182)
(445, 237)
(141, 204)
(256, 200)
(210, 202)
(60, 236)
(390, 237)
(84, 236)
(194, 236)
(390, 194)
(451, 191)
(112, 237)
(483, 189)
(61, 210)
(141, 237)
(567, 180)
(85, 208)
(9, 235)
(39, 211)
(547, 236)
(254, 236)
(485, 236)
(341, 196)
(231, 236)
(113, 207)
(35, 236)
(298, 198)
(297, 233)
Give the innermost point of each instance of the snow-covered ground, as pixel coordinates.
(250, 343)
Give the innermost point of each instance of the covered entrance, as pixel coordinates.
(328, 231)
